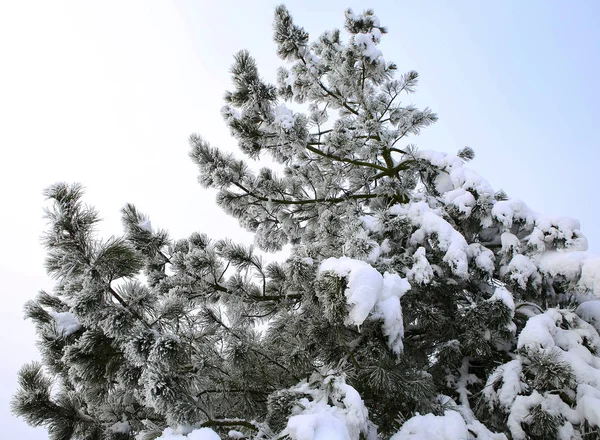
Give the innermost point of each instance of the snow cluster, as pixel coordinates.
(589, 311)
(185, 434)
(334, 412)
(564, 334)
(430, 223)
(367, 42)
(504, 296)
(455, 176)
(450, 426)
(121, 427)
(146, 225)
(421, 271)
(578, 266)
(482, 257)
(370, 293)
(284, 117)
(511, 386)
(66, 322)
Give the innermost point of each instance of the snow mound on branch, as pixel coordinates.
(121, 427)
(455, 176)
(146, 225)
(196, 434)
(510, 376)
(421, 271)
(369, 292)
(574, 341)
(503, 295)
(366, 41)
(483, 257)
(450, 426)
(284, 117)
(550, 403)
(430, 223)
(589, 311)
(583, 267)
(66, 322)
(346, 419)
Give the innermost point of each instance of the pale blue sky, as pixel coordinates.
(106, 93)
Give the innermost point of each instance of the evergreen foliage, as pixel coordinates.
(414, 303)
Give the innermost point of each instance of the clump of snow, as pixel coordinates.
(284, 117)
(366, 42)
(371, 223)
(235, 434)
(590, 275)
(449, 240)
(504, 296)
(66, 322)
(450, 426)
(421, 271)
(582, 268)
(121, 427)
(316, 419)
(589, 311)
(462, 199)
(575, 345)
(510, 242)
(196, 434)
(551, 404)
(483, 257)
(562, 229)
(521, 270)
(146, 225)
(456, 176)
(509, 211)
(511, 385)
(370, 292)
(539, 330)
(588, 404)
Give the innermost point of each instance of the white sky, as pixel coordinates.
(106, 93)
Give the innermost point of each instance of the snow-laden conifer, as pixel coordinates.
(414, 302)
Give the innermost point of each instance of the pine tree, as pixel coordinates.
(414, 303)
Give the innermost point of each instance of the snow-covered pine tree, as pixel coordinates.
(415, 302)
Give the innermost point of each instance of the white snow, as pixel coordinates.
(511, 385)
(589, 311)
(121, 427)
(370, 292)
(539, 330)
(421, 271)
(450, 426)
(284, 117)
(430, 223)
(582, 268)
(588, 404)
(461, 198)
(510, 242)
(550, 403)
(507, 211)
(366, 42)
(196, 434)
(521, 270)
(503, 295)
(146, 225)
(483, 257)
(456, 176)
(66, 322)
(317, 420)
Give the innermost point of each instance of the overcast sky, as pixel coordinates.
(106, 93)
